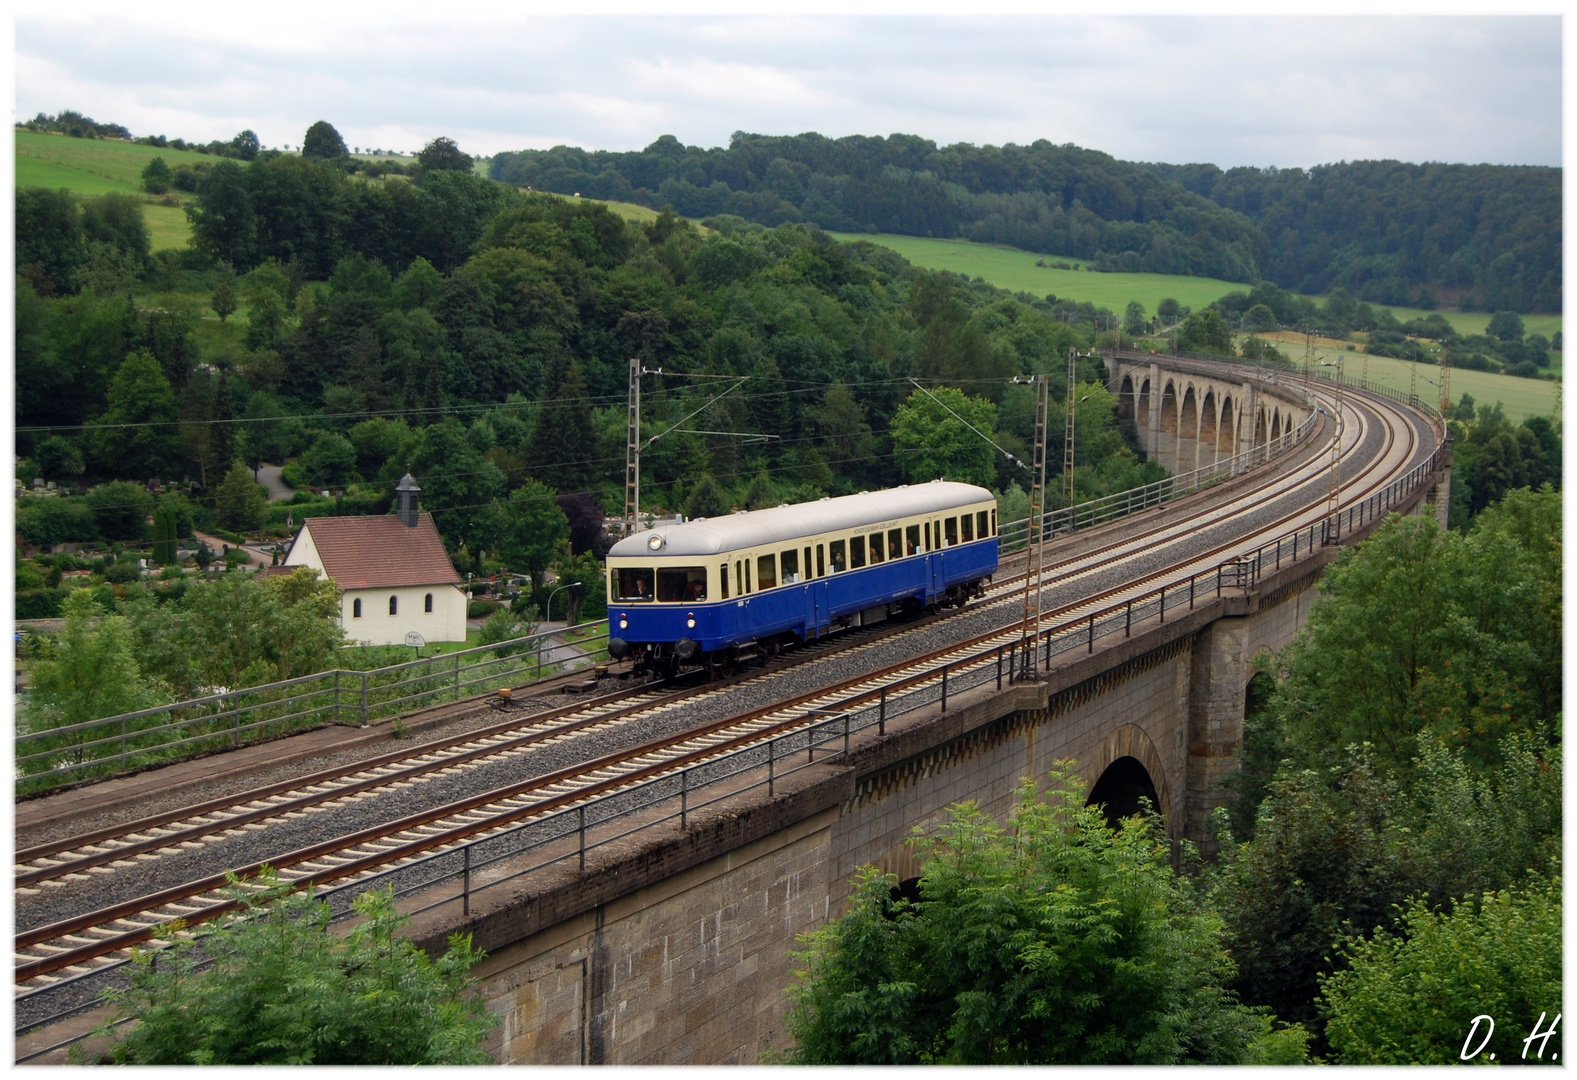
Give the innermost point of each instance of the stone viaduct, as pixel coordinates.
(675, 947)
(1187, 416)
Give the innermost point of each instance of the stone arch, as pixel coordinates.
(1209, 425)
(1275, 425)
(1188, 418)
(1169, 408)
(1126, 408)
(1227, 439)
(1259, 427)
(1131, 741)
(1144, 400)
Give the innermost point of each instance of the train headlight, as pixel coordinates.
(624, 622)
(689, 620)
(655, 543)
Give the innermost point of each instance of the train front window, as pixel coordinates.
(983, 524)
(968, 522)
(766, 571)
(856, 552)
(681, 584)
(839, 564)
(950, 530)
(790, 566)
(632, 583)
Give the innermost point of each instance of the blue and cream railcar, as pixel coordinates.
(713, 591)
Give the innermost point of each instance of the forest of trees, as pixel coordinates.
(1388, 232)
(1485, 236)
(480, 336)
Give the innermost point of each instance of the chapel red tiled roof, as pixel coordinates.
(381, 552)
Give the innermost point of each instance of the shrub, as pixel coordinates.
(283, 989)
(481, 609)
(56, 521)
(40, 603)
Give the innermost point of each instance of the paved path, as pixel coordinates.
(278, 490)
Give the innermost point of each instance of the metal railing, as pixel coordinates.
(50, 757)
(1013, 535)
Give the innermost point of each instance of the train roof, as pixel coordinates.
(758, 528)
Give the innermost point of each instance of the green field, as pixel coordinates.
(1012, 268)
(1521, 397)
(99, 166)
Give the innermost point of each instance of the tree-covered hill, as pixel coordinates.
(1386, 231)
(1042, 197)
(1490, 234)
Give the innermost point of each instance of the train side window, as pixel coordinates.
(895, 543)
(839, 564)
(807, 562)
(928, 536)
(993, 523)
(878, 548)
(750, 584)
(821, 560)
(722, 576)
(856, 552)
(983, 524)
(766, 572)
(681, 584)
(633, 584)
(968, 522)
(790, 566)
(739, 577)
(950, 530)
(912, 537)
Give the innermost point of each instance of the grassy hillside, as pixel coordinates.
(1012, 268)
(1521, 397)
(99, 166)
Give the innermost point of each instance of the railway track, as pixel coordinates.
(78, 945)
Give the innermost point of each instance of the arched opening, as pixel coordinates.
(1169, 410)
(1125, 399)
(355, 609)
(1208, 426)
(1120, 788)
(394, 605)
(1259, 427)
(1256, 693)
(1228, 429)
(1189, 426)
(1275, 426)
(429, 607)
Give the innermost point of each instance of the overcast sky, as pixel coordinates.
(1231, 90)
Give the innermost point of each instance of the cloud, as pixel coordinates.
(1233, 91)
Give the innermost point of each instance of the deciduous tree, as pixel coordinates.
(1053, 941)
(239, 500)
(933, 442)
(281, 988)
